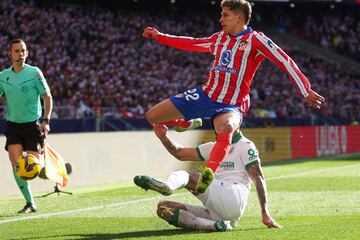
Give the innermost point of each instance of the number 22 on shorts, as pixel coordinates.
(191, 95)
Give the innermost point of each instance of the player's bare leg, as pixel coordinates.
(167, 114)
(163, 112)
(177, 214)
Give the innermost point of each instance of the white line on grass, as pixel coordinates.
(314, 172)
(83, 209)
(154, 198)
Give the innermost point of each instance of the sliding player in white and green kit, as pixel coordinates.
(224, 198)
(22, 85)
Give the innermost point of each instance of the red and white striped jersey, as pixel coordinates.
(236, 59)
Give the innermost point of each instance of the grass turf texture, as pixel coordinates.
(317, 199)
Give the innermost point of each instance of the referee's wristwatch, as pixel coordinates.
(47, 120)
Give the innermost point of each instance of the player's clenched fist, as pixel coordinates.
(150, 32)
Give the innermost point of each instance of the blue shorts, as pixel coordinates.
(195, 103)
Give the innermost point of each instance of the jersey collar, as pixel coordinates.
(236, 138)
(246, 31)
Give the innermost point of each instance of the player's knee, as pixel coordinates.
(161, 204)
(148, 116)
(164, 211)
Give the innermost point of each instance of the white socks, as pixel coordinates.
(189, 220)
(177, 180)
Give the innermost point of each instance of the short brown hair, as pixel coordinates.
(18, 40)
(239, 6)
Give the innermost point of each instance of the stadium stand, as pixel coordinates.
(98, 65)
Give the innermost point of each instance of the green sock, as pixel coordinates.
(24, 188)
(174, 220)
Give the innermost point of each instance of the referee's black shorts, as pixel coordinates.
(27, 134)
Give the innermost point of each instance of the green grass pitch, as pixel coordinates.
(317, 199)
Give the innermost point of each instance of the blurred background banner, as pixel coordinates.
(322, 141)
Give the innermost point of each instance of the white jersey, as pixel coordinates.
(233, 169)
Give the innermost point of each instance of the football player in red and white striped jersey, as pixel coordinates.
(238, 51)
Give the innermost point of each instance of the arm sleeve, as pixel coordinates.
(249, 154)
(1, 87)
(188, 43)
(204, 150)
(274, 53)
(1, 90)
(40, 82)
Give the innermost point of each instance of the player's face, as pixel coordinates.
(230, 21)
(18, 53)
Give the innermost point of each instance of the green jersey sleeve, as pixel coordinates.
(204, 150)
(250, 155)
(1, 86)
(40, 83)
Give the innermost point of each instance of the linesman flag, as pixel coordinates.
(55, 169)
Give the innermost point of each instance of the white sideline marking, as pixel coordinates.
(83, 209)
(154, 198)
(313, 172)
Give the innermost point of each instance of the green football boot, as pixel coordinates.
(222, 226)
(195, 123)
(205, 179)
(146, 182)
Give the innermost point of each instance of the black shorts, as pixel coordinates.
(27, 134)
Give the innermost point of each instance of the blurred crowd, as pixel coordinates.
(97, 63)
(336, 28)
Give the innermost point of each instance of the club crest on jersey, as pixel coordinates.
(24, 89)
(242, 46)
(226, 57)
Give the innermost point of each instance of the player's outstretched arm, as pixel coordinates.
(314, 100)
(259, 181)
(178, 151)
(150, 32)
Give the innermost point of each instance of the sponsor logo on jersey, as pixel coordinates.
(225, 69)
(227, 165)
(226, 57)
(253, 154)
(253, 158)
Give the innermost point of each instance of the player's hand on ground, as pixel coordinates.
(314, 100)
(269, 221)
(150, 32)
(160, 130)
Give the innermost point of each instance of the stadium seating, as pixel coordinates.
(97, 63)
